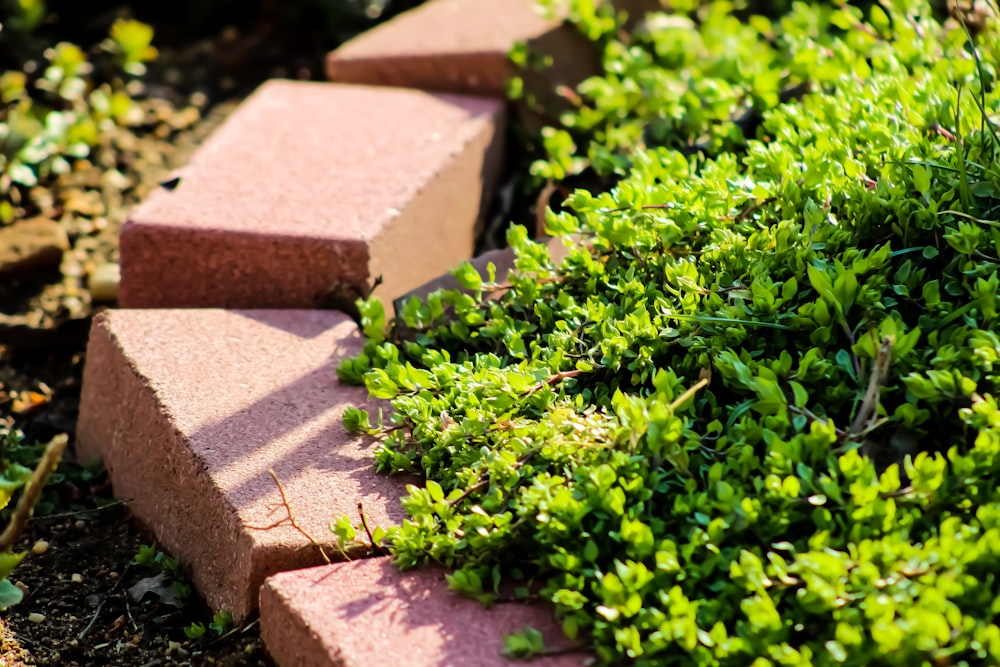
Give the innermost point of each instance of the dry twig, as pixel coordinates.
(33, 490)
(290, 519)
(869, 405)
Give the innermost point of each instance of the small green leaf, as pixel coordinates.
(467, 276)
(10, 594)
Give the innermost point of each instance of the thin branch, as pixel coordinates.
(645, 207)
(376, 549)
(97, 612)
(484, 481)
(850, 339)
(69, 515)
(93, 619)
(233, 631)
(947, 134)
(691, 391)
(869, 406)
(554, 379)
(481, 484)
(746, 213)
(290, 520)
(502, 287)
(808, 414)
(542, 205)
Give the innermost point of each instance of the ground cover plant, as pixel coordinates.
(751, 419)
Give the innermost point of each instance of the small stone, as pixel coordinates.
(84, 202)
(35, 617)
(30, 245)
(40, 547)
(104, 282)
(80, 524)
(185, 118)
(77, 578)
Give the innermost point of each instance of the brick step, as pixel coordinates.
(463, 46)
(367, 613)
(191, 409)
(459, 46)
(316, 189)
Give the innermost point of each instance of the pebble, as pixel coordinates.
(77, 578)
(103, 283)
(80, 524)
(30, 245)
(35, 617)
(40, 547)
(185, 118)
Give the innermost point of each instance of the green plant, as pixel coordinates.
(195, 631)
(29, 482)
(59, 114)
(751, 418)
(131, 42)
(170, 581)
(221, 623)
(23, 16)
(22, 455)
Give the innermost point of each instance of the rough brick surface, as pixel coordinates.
(461, 46)
(190, 409)
(368, 613)
(310, 186)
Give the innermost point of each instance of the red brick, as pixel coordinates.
(462, 46)
(313, 185)
(190, 409)
(367, 613)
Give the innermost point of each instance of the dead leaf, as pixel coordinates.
(161, 586)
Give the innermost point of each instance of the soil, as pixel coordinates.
(77, 608)
(80, 586)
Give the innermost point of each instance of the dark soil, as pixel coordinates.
(80, 586)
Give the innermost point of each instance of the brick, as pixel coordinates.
(190, 409)
(462, 46)
(311, 187)
(369, 613)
